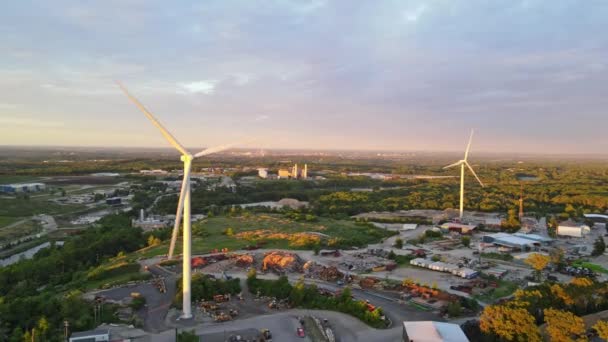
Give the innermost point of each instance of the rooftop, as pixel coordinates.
(511, 239)
(430, 331)
(90, 333)
(534, 237)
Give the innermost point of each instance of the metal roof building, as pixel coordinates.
(535, 237)
(91, 336)
(22, 187)
(508, 240)
(430, 331)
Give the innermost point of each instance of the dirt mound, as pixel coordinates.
(330, 274)
(281, 262)
(244, 260)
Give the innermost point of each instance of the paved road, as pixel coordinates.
(395, 311)
(283, 327)
(158, 305)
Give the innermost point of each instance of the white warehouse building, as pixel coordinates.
(572, 229)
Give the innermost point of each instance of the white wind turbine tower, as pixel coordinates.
(462, 164)
(184, 202)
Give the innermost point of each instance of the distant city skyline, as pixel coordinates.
(529, 76)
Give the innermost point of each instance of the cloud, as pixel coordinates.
(242, 79)
(415, 13)
(6, 106)
(206, 87)
(261, 118)
(29, 122)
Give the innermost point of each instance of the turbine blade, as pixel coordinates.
(219, 148)
(474, 174)
(178, 216)
(452, 165)
(154, 121)
(466, 152)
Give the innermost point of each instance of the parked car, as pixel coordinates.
(300, 332)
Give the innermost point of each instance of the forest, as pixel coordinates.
(567, 191)
(37, 295)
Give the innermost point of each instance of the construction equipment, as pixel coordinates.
(266, 335)
(222, 317)
(221, 298)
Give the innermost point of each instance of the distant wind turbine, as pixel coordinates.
(462, 164)
(183, 206)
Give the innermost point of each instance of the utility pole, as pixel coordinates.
(66, 329)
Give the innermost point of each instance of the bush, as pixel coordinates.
(187, 336)
(454, 309)
(433, 234)
(138, 303)
(492, 255)
(104, 272)
(307, 296)
(466, 241)
(205, 287)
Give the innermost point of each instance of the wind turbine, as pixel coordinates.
(183, 206)
(462, 164)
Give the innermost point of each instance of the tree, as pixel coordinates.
(252, 273)
(581, 282)
(187, 336)
(509, 323)
(557, 256)
(398, 243)
(43, 327)
(599, 246)
(564, 325)
(602, 329)
(538, 262)
(454, 309)
(560, 293)
(466, 241)
(316, 248)
(153, 241)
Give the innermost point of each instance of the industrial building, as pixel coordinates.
(22, 187)
(153, 172)
(430, 331)
(516, 241)
(263, 173)
(91, 336)
(459, 227)
(543, 240)
(148, 223)
(572, 229)
(114, 201)
(295, 173)
(439, 266)
(409, 226)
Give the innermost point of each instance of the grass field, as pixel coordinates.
(594, 267)
(504, 289)
(19, 207)
(9, 179)
(24, 229)
(7, 220)
(272, 231)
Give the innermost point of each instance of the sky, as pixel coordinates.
(528, 76)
